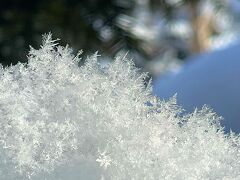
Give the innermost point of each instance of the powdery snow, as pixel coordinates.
(59, 121)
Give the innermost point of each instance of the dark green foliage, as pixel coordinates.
(78, 22)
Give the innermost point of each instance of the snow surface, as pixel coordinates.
(59, 121)
(212, 79)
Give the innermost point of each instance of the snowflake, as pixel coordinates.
(104, 160)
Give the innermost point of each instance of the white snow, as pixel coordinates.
(60, 121)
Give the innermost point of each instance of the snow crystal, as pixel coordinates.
(62, 121)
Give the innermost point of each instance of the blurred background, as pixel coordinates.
(158, 34)
(164, 38)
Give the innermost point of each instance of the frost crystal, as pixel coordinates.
(104, 160)
(56, 117)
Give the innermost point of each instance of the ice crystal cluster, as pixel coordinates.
(59, 120)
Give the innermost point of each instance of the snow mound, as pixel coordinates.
(61, 121)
